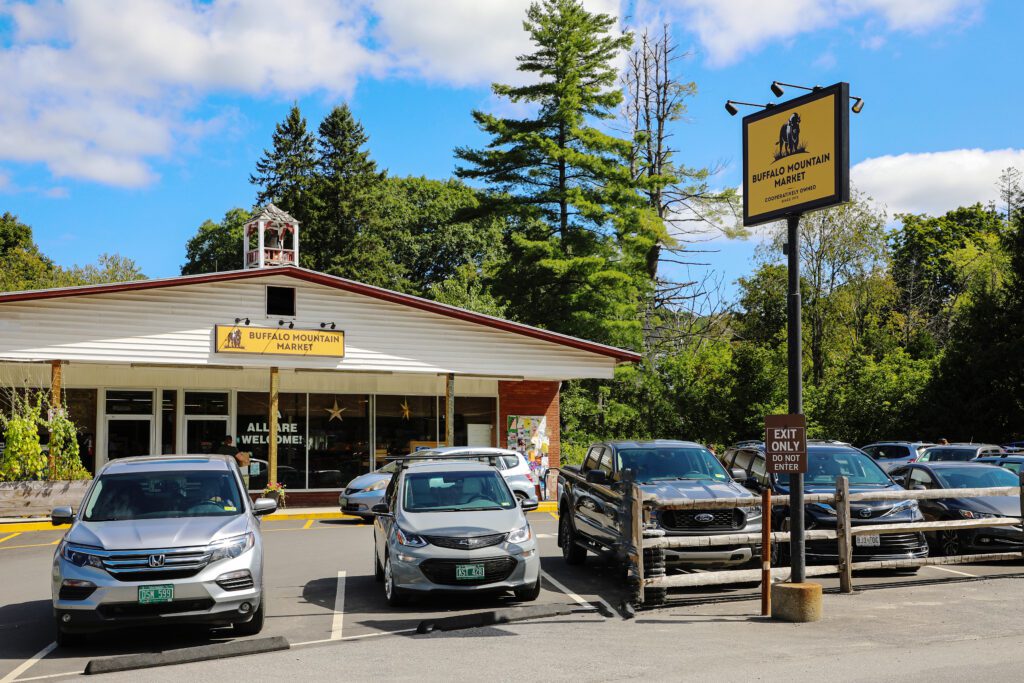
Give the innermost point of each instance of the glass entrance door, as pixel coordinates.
(129, 436)
(204, 434)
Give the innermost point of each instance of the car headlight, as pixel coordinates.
(520, 535)
(377, 486)
(232, 547)
(752, 512)
(971, 514)
(910, 505)
(407, 539)
(80, 557)
(823, 508)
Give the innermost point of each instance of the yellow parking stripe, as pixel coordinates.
(554, 514)
(8, 527)
(10, 536)
(30, 545)
(308, 524)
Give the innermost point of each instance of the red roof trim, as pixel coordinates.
(621, 355)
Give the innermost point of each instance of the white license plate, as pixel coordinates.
(869, 541)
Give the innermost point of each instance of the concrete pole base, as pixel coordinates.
(797, 602)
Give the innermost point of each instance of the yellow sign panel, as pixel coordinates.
(279, 341)
(796, 156)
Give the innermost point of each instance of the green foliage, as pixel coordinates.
(285, 171)
(23, 457)
(63, 445)
(217, 246)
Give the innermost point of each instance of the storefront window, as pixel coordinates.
(474, 421)
(81, 405)
(206, 403)
(168, 421)
(129, 402)
(405, 424)
(253, 429)
(339, 439)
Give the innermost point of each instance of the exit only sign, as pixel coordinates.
(785, 444)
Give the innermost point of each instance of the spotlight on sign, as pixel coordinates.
(858, 104)
(731, 108)
(777, 89)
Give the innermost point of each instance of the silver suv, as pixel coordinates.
(161, 539)
(453, 525)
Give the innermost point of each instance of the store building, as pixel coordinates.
(173, 365)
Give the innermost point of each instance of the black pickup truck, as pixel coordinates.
(591, 515)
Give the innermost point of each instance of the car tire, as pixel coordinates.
(528, 593)
(65, 639)
(254, 625)
(949, 543)
(378, 571)
(572, 552)
(520, 497)
(392, 593)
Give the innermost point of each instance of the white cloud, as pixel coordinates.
(934, 182)
(730, 29)
(97, 89)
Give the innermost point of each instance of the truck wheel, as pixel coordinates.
(654, 566)
(572, 553)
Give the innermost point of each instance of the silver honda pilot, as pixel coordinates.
(161, 539)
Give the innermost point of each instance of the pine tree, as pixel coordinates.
(285, 172)
(347, 181)
(582, 226)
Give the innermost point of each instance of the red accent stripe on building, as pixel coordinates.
(620, 355)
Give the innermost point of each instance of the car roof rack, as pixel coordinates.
(404, 461)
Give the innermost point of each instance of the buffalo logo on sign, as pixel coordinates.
(796, 156)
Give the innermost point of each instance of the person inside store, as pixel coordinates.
(241, 457)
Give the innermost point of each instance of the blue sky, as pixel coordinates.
(124, 125)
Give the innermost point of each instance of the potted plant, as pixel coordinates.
(275, 490)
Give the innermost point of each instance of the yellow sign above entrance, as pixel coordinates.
(279, 341)
(796, 156)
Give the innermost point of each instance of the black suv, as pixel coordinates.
(827, 460)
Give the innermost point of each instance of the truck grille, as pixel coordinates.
(172, 563)
(703, 520)
(443, 571)
(465, 542)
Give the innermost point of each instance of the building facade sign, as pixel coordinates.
(279, 341)
(796, 156)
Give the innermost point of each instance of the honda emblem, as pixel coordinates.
(157, 561)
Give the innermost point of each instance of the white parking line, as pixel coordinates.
(27, 664)
(951, 571)
(339, 608)
(576, 598)
(42, 678)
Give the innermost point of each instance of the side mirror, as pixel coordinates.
(597, 477)
(528, 504)
(264, 506)
(752, 483)
(738, 473)
(381, 509)
(62, 515)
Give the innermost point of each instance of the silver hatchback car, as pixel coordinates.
(453, 526)
(161, 539)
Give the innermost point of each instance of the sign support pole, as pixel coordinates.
(449, 409)
(272, 427)
(796, 402)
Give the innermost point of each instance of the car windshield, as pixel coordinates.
(162, 495)
(948, 454)
(975, 477)
(891, 452)
(823, 467)
(451, 491)
(665, 464)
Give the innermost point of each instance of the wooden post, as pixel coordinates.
(637, 534)
(843, 535)
(272, 427)
(449, 410)
(1020, 501)
(56, 372)
(766, 551)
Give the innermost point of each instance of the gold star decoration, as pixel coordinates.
(335, 412)
(406, 410)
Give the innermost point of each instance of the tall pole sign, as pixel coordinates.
(796, 158)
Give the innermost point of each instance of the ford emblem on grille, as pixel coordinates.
(157, 560)
(704, 517)
(864, 512)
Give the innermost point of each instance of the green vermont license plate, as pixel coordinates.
(149, 595)
(469, 571)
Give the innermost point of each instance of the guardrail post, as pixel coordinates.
(632, 531)
(843, 535)
(766, 551)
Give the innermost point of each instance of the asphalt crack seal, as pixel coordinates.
(203, 653)
(493, 617)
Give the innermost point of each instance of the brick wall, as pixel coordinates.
(531, 398)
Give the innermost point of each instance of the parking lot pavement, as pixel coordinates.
(307, 561)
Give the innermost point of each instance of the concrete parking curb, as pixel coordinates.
(236, 648)
(491, 618)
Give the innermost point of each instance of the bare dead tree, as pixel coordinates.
(681, 196)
